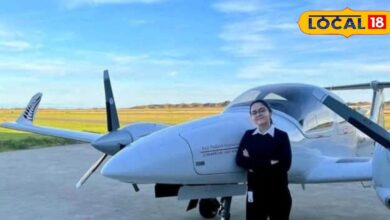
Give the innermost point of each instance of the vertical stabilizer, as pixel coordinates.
(377, 106)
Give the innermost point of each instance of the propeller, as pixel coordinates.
(90, 171)
(362, 123)
(112, 115)
(114, 140)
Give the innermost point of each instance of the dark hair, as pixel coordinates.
(261, 101)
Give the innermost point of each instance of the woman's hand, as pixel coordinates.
(245, 153)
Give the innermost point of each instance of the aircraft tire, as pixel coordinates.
(208, 208)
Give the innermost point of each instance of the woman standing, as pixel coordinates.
(265, 153)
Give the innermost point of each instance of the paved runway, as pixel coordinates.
(40, 184)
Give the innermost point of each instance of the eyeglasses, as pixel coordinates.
(259, 111)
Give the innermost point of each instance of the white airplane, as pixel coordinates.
(196, 160)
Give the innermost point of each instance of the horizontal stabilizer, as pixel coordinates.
(371, 85)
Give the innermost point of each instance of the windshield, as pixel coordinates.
(296, 100)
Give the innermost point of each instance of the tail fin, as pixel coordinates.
(27, 116)
(378, 100)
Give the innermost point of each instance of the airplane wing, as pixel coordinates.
(26, 119)
(62, 133)
(108, 144)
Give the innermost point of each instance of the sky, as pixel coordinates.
(175, 51)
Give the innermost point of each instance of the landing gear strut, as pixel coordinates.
(224, 210)
(208, 208)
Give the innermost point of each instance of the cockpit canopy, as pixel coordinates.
(295, 100)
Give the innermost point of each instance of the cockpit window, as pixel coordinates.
(247, 97)
(296, 100)
(274, 96)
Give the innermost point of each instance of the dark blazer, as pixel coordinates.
(263, 149)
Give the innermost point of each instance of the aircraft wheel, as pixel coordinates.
(208, 208)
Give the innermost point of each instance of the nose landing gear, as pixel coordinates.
(209, 208)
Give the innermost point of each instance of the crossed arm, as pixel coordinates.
(282, 160)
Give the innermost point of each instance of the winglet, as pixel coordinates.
(377, 99)
(27, 116)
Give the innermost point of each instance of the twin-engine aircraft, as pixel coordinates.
(195, 160)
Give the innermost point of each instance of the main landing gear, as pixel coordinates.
(209, 208)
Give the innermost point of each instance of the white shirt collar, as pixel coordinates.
(271, 131)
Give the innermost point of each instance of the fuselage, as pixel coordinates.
(203, 151)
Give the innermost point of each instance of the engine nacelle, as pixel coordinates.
(114, 141)
(381, 173)
(140, 129)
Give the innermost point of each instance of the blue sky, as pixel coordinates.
(174, 51)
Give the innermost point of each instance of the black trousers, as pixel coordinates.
(273, 201)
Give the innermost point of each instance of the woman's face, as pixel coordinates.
(260, 115)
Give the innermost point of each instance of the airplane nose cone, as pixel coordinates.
(160, 157)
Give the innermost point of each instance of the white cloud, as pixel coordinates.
(284, 26)
(12, 39)
(376, 67)
(138, 22)
(17, 45)
(237, 6)
(49, 67)
(70, 4)
(250, 7)
(8, 32)
(31, 66)
(127, 59)
(162, 60)
(325, 73)
(173, 73)
(255, 35)
(149, 59)
(268, 69)
(246, 38)
(358, 67)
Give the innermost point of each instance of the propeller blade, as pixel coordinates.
(365, 125)
(135, 186)
(112, 114)
(90, 171)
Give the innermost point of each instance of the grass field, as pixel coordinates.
(94, 120)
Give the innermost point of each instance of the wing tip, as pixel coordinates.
(27, 116)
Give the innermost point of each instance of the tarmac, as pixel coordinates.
(40, 184)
